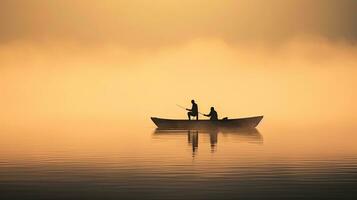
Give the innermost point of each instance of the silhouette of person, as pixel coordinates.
(213, 114)
(193, 111)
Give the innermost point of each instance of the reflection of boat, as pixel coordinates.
(243, 135)
(239, 135)
(250, 122)
(233, 131)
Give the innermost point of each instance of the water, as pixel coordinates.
(102, 161)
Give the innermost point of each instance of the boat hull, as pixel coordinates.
(179, 124)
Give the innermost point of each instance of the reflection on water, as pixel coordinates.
(244, 135)
(123, 162)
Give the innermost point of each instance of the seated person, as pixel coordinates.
(193, 111)
(213, 114)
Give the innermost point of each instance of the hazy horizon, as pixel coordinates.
(304, 79)
(80, 79)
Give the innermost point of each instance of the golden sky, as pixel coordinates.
(147, 23)
(111, 59)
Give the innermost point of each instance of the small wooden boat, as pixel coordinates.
(180, 124)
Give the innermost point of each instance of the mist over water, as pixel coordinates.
(302, 79)
(80, 79)
(75, 122)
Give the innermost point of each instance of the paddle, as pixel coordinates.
(186, 109)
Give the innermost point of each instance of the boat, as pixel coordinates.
(181, 124)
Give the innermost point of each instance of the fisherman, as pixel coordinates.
(193, 111)
(213, 114)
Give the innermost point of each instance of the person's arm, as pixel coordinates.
(208, 115)
(189, 109)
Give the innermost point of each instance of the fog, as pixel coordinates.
(306, 81)
(123, 61)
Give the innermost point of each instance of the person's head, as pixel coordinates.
(192, 101)
(212, 108)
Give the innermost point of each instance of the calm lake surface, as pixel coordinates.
(89, 160)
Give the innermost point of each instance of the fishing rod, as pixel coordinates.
(186, 109)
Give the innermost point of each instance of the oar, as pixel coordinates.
(186, 108)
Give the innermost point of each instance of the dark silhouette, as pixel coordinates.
(193, 111)
(249, 122)
(213, 137)
(242, 135)
(193, 139)
(213, 114)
